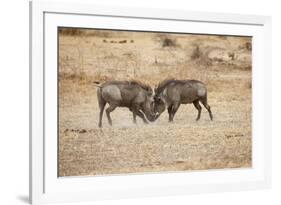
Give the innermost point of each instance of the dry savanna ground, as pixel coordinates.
(222, 62)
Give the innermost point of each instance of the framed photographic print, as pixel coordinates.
(129, 102)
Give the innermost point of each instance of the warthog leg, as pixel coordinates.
(134, 118)
(141, 115)
(136, 111)
(173, 111)
(209, 110)
(134, 115)
(198, 107)
(170, 113)
(102, 105)
(108, 111)
(204, 102)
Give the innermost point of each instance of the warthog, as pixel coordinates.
(171, 93)
(134, 95)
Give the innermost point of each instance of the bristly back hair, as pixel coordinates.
(161, 86)
(141, 84)
(128, 82)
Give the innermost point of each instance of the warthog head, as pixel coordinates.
(159, 104)
(148, 107)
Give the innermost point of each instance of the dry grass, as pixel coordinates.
(84, 149)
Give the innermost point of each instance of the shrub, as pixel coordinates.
(70, 31)
(196, 53)
(167, 42)
(248, 46)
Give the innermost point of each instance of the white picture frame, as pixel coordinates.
(46, 187)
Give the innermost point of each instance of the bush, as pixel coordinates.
(167, 42)
(70, 31)
(248, 46)
(196, 53)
